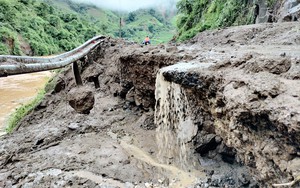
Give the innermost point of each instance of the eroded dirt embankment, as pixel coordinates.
(113, 145)
(254, 112)
(246, 110)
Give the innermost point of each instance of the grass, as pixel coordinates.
(163, 37)
(24, 110)
(160, 33)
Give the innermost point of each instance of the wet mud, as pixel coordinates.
(222, 125)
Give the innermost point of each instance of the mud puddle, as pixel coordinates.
(18, 90)
(175, 176)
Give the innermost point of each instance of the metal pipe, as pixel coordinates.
(25, 64)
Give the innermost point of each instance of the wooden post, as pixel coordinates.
(77, 76)
(96, 82)
(120, 32)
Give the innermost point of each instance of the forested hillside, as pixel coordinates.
(158, 24)
(43, 27)
(46, 29)
(196, 16)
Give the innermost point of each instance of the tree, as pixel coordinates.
(8, 13)
(184, 6)
(131, 17)
(151, 28)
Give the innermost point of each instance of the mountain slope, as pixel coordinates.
(143, 22)
(46, 29)
(155, 22)
(197, 16)
(43, 27)
(106, 20)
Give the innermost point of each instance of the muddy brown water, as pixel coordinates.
(18, 90)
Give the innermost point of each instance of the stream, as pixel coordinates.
(18, 90)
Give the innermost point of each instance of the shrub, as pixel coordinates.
(3, 49)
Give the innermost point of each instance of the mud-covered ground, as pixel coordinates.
(115, 144)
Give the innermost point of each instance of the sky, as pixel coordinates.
(129, 5)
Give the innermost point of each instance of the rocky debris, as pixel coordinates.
(75, 141)
(171, 49)
(276, 11)
(59, 86)
(249, 110)
(55, 85)
(206, 143)
(138, 74)
(230, 181)
(289, 11)
(245, 112)
(81, 99)
(73, 126)
(92, 73)
(147, 121)
(267, 34)
(274, 66)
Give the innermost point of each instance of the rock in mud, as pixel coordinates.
(171, 49)
(81, 99)
(73, 126)
(60, 85)
(146, 122)
(273, 66)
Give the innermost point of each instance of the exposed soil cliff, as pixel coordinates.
(238, 120)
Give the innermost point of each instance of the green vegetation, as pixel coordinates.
(271, 3)
(199, 15)
(149, 22)
(55, 26)
(22, 111)
(44, 27)
(48, 30)
(52, 82)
